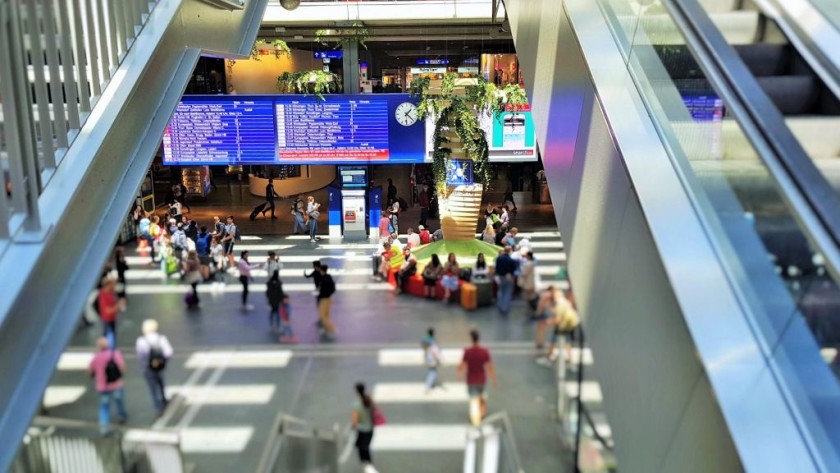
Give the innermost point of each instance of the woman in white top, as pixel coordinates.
(217, 255)
(312, 214)
(413, 239)
(272, 264)
(245, 277)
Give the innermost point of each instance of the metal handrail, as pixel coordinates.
(287, 425)
(73, 48)
(809, 194)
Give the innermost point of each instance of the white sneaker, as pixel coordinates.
(370, 469)
(248, 307)
(543, 361)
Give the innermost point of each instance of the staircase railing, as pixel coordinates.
(58, 57)
(297, 445)
(65, 445)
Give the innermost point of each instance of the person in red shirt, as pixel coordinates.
(108, 309)
(477, 366)
(425, 236)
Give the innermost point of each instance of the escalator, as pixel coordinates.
(86, 89)
(690, 148)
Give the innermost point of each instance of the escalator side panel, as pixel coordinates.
(686, 384)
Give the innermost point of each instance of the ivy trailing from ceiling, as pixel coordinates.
(316, 82)
(344, 35)
(279, 47)
(459, 108)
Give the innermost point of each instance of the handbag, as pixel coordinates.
(314, 214)
(378, 417)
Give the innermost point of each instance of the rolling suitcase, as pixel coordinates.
(484, 290)
(257, 210)
(469, 296)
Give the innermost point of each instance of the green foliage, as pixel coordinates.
(461, 113)
(355, 31)
(315, 82)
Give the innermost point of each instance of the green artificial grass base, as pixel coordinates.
(466, 251)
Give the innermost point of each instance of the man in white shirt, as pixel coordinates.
(153, 351)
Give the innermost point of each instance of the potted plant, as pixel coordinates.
(315, 82)
(343, 35)
(457, 105)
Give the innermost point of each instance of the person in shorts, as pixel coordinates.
(228, 240)
(476, 366)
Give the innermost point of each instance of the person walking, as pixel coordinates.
(476, 366)
(392, 192)
(312, 214)
(423, 200)
(506, 269)
(245, 278)
(144, 229)
(107, 368)
(153, 351)
(297, 215)
(272, 264)
(546, 309)
(229, 239)
(362, 421)
(394, 213)
(527, 281)
(384, 226)
(108, 308)
(274, 293)
(270, 195)
(192, 276)
(432, 359)
(217, 259)
(325, 291)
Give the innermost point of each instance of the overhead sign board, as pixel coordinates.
(332, 54)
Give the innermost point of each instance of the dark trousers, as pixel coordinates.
(270, 206)
(150, 242)
(154, 379)
(244, 281)
(424, 214)
(363, 440)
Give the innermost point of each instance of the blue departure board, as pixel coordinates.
(351, 130)
(293, 129)
(209, 132)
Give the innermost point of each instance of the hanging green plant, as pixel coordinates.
(344, 35)
(457, 107)
(316, 82)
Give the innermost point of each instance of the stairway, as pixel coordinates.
(72, 166)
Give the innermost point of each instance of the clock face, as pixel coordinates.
(406, 114)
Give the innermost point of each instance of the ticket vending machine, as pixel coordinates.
(353, 181)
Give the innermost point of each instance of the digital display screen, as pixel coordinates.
(294, 129)
(704, 107)
(459, 172)
(351, 177)
(511, 136)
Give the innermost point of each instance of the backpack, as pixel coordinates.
(202, 244)
(236, 235)
(113, 373)
(157, 362)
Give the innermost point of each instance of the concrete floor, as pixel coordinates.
(235, 399)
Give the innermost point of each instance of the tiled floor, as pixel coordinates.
(236, 377)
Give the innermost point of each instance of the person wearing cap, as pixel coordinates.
(425, 236)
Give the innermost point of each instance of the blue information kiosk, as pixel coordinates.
(353, 181)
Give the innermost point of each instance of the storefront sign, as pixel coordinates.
(433, 62)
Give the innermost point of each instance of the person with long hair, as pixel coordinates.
(431, 274)
(361, 420)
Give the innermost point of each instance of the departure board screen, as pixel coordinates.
(212, 132)
(355, 130)
(294, 129)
